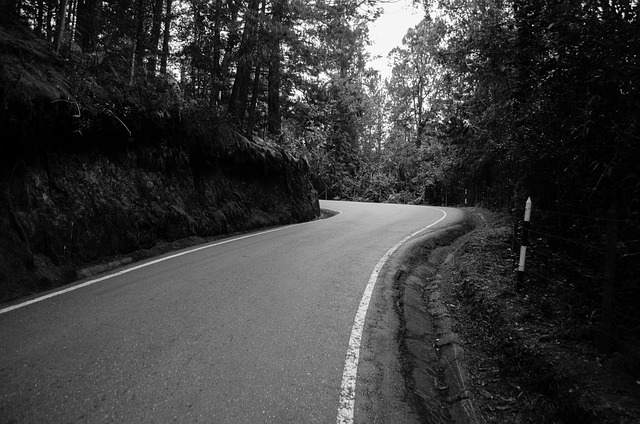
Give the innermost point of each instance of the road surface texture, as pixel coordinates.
(248, 330)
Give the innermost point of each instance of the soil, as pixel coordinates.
(530, 358)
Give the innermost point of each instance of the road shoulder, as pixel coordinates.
(434, 363)
(401, 376)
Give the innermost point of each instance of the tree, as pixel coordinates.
(88, 25)
(240, 92)
(166, 37)
(139, 40)
(275, 59)
(60, 25)
(154, 38)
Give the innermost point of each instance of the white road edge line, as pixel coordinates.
(348, 389)
(333, 210)
(146, 264)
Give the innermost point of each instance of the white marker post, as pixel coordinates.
(525, 243)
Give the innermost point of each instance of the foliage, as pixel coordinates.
(249, 62)
(540, 99)
(505, 98)
(541, 91)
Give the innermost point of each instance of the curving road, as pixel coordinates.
(251, 329)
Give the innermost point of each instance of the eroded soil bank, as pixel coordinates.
(83, 210)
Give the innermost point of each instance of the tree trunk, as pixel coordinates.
(524, 42)
(167, 36)
(69, 14)
(73, 21)
(419, 126)
(50, 12)
(240, 92)
(155, 37)
(231, 41)
(253, 106)
(132, 64)
(40, 18)
(215, 71)
(196, 50)
(139, 44)
(88, 24)
(60, 26)
(274, 124)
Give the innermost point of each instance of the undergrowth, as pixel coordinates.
(531, 352)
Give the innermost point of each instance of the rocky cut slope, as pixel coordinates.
(93, 168)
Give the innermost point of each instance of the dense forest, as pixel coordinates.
(503, 99)
(292, 72)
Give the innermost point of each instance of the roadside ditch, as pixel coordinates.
(433, 363)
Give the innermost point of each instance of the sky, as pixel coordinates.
(387, 31)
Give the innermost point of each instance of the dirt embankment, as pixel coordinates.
(476, 349)
(529, 357)
(92, 171)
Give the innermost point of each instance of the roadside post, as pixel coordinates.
(524, 243)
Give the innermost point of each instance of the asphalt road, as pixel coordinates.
(252, 330)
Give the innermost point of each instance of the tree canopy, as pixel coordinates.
(503, 98)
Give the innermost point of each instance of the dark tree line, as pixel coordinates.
(503, 98)
(255, 62)
(517, 98)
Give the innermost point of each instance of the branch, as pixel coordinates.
(119, 120)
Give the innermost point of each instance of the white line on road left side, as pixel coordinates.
(349, 375)
(133, 268)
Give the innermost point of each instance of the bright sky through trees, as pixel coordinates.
(387, 31)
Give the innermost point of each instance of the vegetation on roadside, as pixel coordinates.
(498, 101)
(531, 352)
